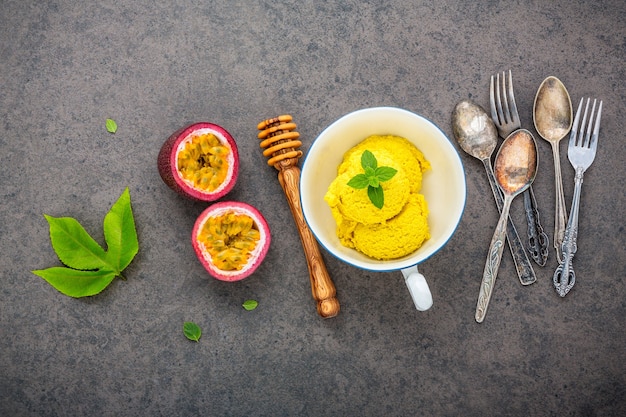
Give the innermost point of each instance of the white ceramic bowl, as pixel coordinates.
(443, 186)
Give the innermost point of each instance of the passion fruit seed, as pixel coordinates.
(230, 238)
(203, 162)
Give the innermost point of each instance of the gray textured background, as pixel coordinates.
(66, 66)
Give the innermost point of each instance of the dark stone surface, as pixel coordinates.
(66, 66)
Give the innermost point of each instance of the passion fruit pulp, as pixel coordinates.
(231, 240)
(200, 161)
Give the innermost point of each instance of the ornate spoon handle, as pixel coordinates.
(564, 276)
(537, 238)
(523, 266)
(494, 257)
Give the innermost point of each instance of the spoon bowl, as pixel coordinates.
(552, 110)
(552, 115)
(516, 163)
(474, 130)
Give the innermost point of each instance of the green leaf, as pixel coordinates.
(368, 160)
(73, 245)
(75, 283)
(359, 181)
(250, 304)
(192, 331)
(376, 196)
(111, 126)
(372, 178)
(90, 268)
(385, 173)
(120, 233)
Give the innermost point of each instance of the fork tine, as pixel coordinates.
(492, 100)
(583, 124)
(505, 100)
(573, 137)
(499, 100)
(596, 129)
(590, 125)
(512, 104)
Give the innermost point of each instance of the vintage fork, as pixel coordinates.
(581, 152)
(506, 118)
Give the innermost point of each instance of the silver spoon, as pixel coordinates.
(552, 114)
(515, 169)
(477, 135)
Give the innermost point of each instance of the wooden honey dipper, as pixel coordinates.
(279, 141)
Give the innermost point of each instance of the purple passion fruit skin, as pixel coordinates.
(200, 161)
(231, 240)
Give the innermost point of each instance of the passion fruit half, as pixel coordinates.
(231, 240)
(200, 161)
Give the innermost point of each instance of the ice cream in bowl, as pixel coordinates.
(383, 189)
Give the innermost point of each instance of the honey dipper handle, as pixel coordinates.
(322, 287)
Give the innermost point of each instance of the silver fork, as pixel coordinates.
(581, 152)
(506, 118)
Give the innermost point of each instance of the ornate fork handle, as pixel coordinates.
(564, 276)
(537, 238)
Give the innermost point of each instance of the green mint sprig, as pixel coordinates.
(89, 269)
(371, 178)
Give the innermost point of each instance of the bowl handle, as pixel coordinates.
(418, 288)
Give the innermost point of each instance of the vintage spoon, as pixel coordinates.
(515, 169)
(477, 135)
(552, 114)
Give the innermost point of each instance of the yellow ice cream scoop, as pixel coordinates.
(397, 228)
(404, 154)
(354, 204)
(401, 235)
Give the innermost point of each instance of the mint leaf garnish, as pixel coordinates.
(385, 173)
(111, 125)
(376, 195)
(368, 160)
(359, 181)
(371, 178)
(192, 331)
(250, 304)
(89, 268)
